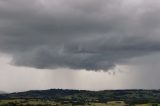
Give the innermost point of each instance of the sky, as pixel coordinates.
(79, 44)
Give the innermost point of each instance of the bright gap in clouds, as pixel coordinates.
(143, 73)
(13, 78)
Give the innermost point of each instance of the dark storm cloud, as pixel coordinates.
(78, 34)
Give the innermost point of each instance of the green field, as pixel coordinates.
(23, 102)
(38, 102)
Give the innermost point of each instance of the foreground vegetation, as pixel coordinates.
(59, 97)
(38, 102)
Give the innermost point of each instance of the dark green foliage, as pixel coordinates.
(81, 96)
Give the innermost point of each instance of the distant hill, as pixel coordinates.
(42, 94)
(106, 95)
(2, 92)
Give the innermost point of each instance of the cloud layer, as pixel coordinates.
(78, 34)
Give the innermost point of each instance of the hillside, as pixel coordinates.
(82, 95)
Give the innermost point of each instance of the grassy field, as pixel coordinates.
(149, 104)
(27, 102)
(36, 102)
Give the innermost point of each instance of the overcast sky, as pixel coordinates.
(79, 44)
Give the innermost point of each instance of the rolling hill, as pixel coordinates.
(83, 95)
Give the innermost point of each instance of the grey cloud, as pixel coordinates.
(92, 34)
